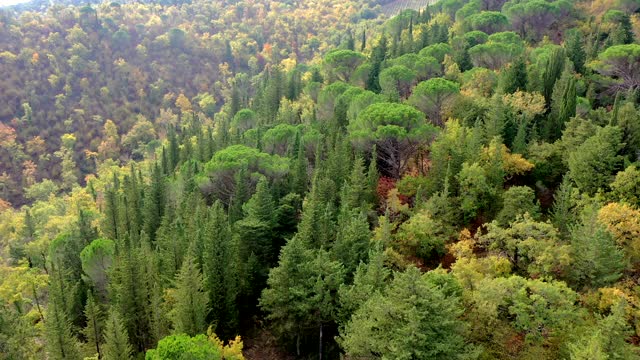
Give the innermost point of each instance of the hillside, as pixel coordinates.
(313, 180)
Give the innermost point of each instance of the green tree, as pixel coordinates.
(301, 292)
(597, 260)
(533, 247)
(622, 64)
(626, 186)
(199, 347)
(191, 301)
(93, 332)
(563, 105)
(430, 96)
(396, 129)
(97, 258)
(416, 317)
(342, 63)
(396, 81)
(116, 346)
(593, 164)
(518, 200)
(221, 269)
(61, 345)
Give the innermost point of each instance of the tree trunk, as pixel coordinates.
(320, 345)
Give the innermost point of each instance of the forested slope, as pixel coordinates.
(459, 182)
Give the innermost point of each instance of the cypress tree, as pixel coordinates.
(363, 42)
(116, 346)
(563, 105)
(553, 71)
(574, 47)
(378, 55)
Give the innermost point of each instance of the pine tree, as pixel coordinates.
(220, 266)
(116, 346)
(191, 301)
(240, 195)
(299, 176)
(154, 201)
(256, 228)
(93, 331)
(61, 345)
(352, 240)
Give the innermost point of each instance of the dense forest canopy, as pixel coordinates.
(320, 180)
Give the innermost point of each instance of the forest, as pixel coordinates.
(320, 179)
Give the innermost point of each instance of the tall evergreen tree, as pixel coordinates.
(116, 346)
(563, 105)
(191, 301)
(553, 71)
(154, 201)
(61, 344)
(221, 271)
(93, 331)
(378, 55)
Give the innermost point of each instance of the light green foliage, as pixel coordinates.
(518, 200)
(341, 63)
(534, 18)
(487, 21)
(626, 186)
(437, 51)
(598, 261)
(429, 96)
(238, 156)
(243, 120)
(500, 49)
(396, 81)
(622, 64)
(199, 347)
(476, 191)
(538, 309)
(593, 164)
(190, 300)
(422, 235)
(533, 247)
(116, 346)
(97, 258)
(416, 317)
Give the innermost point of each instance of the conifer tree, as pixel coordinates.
(116, 346)
(563, 104)
(154, 201)
(552, 72)
(93, 331)
(378, 55)
(61, 345)
(191, 301)
(220, 269)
